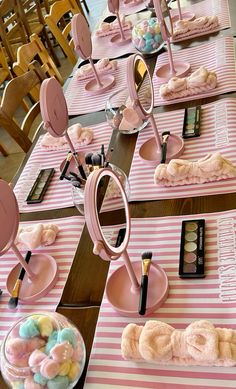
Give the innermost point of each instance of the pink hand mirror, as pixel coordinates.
(83, 45)
(55, 115)
(41, 272)
(151, 150)
(123, 287)
(180, 15)
(124, 36)
(173, 68)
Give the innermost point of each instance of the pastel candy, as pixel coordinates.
(39, 379)
(16, 346)
(49, 346)
(35, 359)
(74, 371)
(58, 382)
(19, 361)
(34, 343)
(29, 329)
(30, 384)
(62, 352)
(17, 385)
(49, 368)
(146, 35)
(45, 326)
(67, 334)
(77, 354)
(64, 368)
(53, 336)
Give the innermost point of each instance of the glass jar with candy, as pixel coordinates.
(146, 36)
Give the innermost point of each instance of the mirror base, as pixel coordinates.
(131, 3)
(46, 271)
(116, 39)
(93, 88)
(150, 154)
(186, 15)
(125, 302)
(164, 73)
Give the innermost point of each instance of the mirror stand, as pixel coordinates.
(101, 83)
(124, 37)
(187, 15)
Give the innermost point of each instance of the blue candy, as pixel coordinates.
(158, 38)
(49, 346)
(29, 329)
(53, 336)
(67, 334)
(148, 35)
(59, 382)
(39, 379)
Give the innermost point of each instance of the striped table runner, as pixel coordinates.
(63, 250)
(80, 102)
(59, 193)
(218, 56)
(218, 121)
(212, 298)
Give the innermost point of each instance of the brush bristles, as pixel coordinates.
(147, 255)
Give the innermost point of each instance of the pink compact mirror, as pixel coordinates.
(124, 36)
(173, 68)
(123, 285)
(55, 115)
(41, 272)
(83, 45)
(179, 14)
(141, 93)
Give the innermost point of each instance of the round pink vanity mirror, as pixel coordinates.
(41, 271)
(154, 150)
(55, 115)
(124, 36)
(83, 45)
(173, 68)
(123, 285)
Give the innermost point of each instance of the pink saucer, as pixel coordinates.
(163, 72)
(187, 15)
(150, 154)
(46, 273)
(118, 290)
(131, 3)
(116, 39)
(93, 88)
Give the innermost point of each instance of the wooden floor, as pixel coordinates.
(10, 164)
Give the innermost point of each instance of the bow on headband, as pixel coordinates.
(199, 344)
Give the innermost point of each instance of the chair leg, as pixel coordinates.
(3, 151)
(85, 5)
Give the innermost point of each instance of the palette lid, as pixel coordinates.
(9, 217)
(53, 107)
(81, 36)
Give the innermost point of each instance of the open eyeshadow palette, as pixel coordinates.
(211, 298)
(80, 102)
(70, 229)
(217, 134)
(217, 56)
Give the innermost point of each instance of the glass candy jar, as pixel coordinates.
(146, 36)
(44, 351)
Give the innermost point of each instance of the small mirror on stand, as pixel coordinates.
(123, 285)
(154, 150)
(124, 36)
(41, 270)
(173, 68)
(83, 45)
(55, 116)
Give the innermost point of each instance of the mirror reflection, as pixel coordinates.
(143, 84)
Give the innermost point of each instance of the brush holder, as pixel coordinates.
(43, 350)
(122, 121)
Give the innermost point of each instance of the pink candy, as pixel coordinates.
(30, 384)
(62, 352)
(36, 359)
(49, 368)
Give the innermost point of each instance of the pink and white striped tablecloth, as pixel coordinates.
(212, 298)
(63, 251)
(217, 56)
(59, 193)
(80, 102)
(217, 134)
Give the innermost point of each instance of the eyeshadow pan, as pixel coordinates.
(190, 257)
(191, 236)
(190, 246)
(190, 268)
(191, 226)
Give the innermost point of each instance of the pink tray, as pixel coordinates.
(218, 56)
(188, 300)
(217, 135)
(70, 230)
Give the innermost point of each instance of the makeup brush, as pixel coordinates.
(88, 161)
(80, 166)
(13, 301)
(103, 155)
(66, 165)
(146, 262)
(108, 157)
(96, 161)
(165, 136)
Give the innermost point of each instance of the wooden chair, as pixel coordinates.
(14, 93)
(57, 12)
(31, 51)
(5, 72)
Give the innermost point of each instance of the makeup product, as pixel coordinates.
(96, 161)
(146, 262)
(191, 262)
(165, 135)
(108, 157)
(80, 166)
(120, 237)
(65, 167)
(88, 161)
(40, 186)
(13, 301)
(103, 155)
(191, 127)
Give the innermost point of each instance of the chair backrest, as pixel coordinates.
(31, 16)
(13, 95)
(12, 31)
(31, 51)
(57, 12)
(5, 72)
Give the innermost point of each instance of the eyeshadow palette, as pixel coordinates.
(40, 186)
(191, 127)
(191, 262)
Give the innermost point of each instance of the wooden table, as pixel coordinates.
(84, 289)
